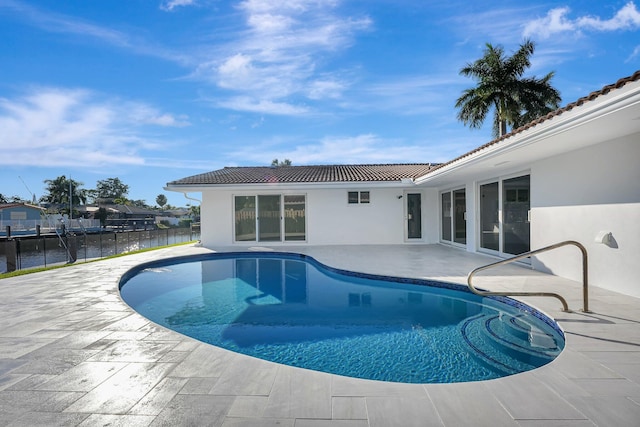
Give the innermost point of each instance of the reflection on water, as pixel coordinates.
(286, 300)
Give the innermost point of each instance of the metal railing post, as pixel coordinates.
(585, 276)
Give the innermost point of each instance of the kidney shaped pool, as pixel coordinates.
(291, 309)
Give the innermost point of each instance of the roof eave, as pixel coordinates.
(547, 129)
(298, 186)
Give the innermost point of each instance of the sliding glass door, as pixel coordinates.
(459, 217)
(445, 216)
(269, 218)
(489, 217)
(515, 213)
(453, 216)
(245, 218)
(263, 218)
(295, 220)
(504, 215)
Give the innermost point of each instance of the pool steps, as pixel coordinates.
(507, 345)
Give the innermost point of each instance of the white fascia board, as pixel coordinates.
(601, 107)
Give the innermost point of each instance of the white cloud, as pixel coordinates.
(169, 5)
(59, 23)
(554, 22)
(365, 148)
(143, 114)
(65, 24)
(268, 23)
(262, 106)
(279, 52)
(74, 127)
(634, 54)
(168, 120)
(325, 88)
(500, 26)
(557, 21)
(626, 18)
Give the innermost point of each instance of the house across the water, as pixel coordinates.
(19, 218)
(573, 174)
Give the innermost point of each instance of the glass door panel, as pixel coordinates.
(489, 217)
(460, 218)
(269, 218)
(414, 216)
(294, 218)
(446, 216)
(245, 218)
(515, 220)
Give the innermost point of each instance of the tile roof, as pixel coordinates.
(308, 174)
(19, 204)
(593, 95)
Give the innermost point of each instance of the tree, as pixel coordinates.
(276, 163)
(111, 188)
(161, 200)
(11, 199)
(61, 190)
(14, 199)
(194, 211)
(102, 215)
(140, 203)
(515, 100)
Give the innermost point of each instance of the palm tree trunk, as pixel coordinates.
(503, 128)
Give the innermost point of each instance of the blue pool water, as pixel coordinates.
(290, 309)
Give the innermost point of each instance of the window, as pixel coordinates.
(355, 197)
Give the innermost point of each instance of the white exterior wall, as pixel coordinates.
(216, 217)
(575, 196)
(330, 219)
(430, 215)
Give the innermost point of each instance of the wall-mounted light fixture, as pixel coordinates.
(604, 237)
(400, 196)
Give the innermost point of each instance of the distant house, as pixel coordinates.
(174, 216)
(19, 216)
(573, 174)
(122, 216)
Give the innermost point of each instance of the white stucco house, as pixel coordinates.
(571, 175)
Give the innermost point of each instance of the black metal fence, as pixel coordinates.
(25, 252)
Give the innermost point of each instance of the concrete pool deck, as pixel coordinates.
(72, 353)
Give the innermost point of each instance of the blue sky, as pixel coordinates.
(150, 91)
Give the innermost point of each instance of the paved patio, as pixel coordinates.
(72, 353)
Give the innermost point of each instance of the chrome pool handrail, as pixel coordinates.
(585, 276)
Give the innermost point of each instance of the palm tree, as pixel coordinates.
(61, 189)
(277, 163)
(514, 99)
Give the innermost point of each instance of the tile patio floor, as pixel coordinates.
(72, 353)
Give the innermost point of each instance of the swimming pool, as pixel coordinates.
(291, 309)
